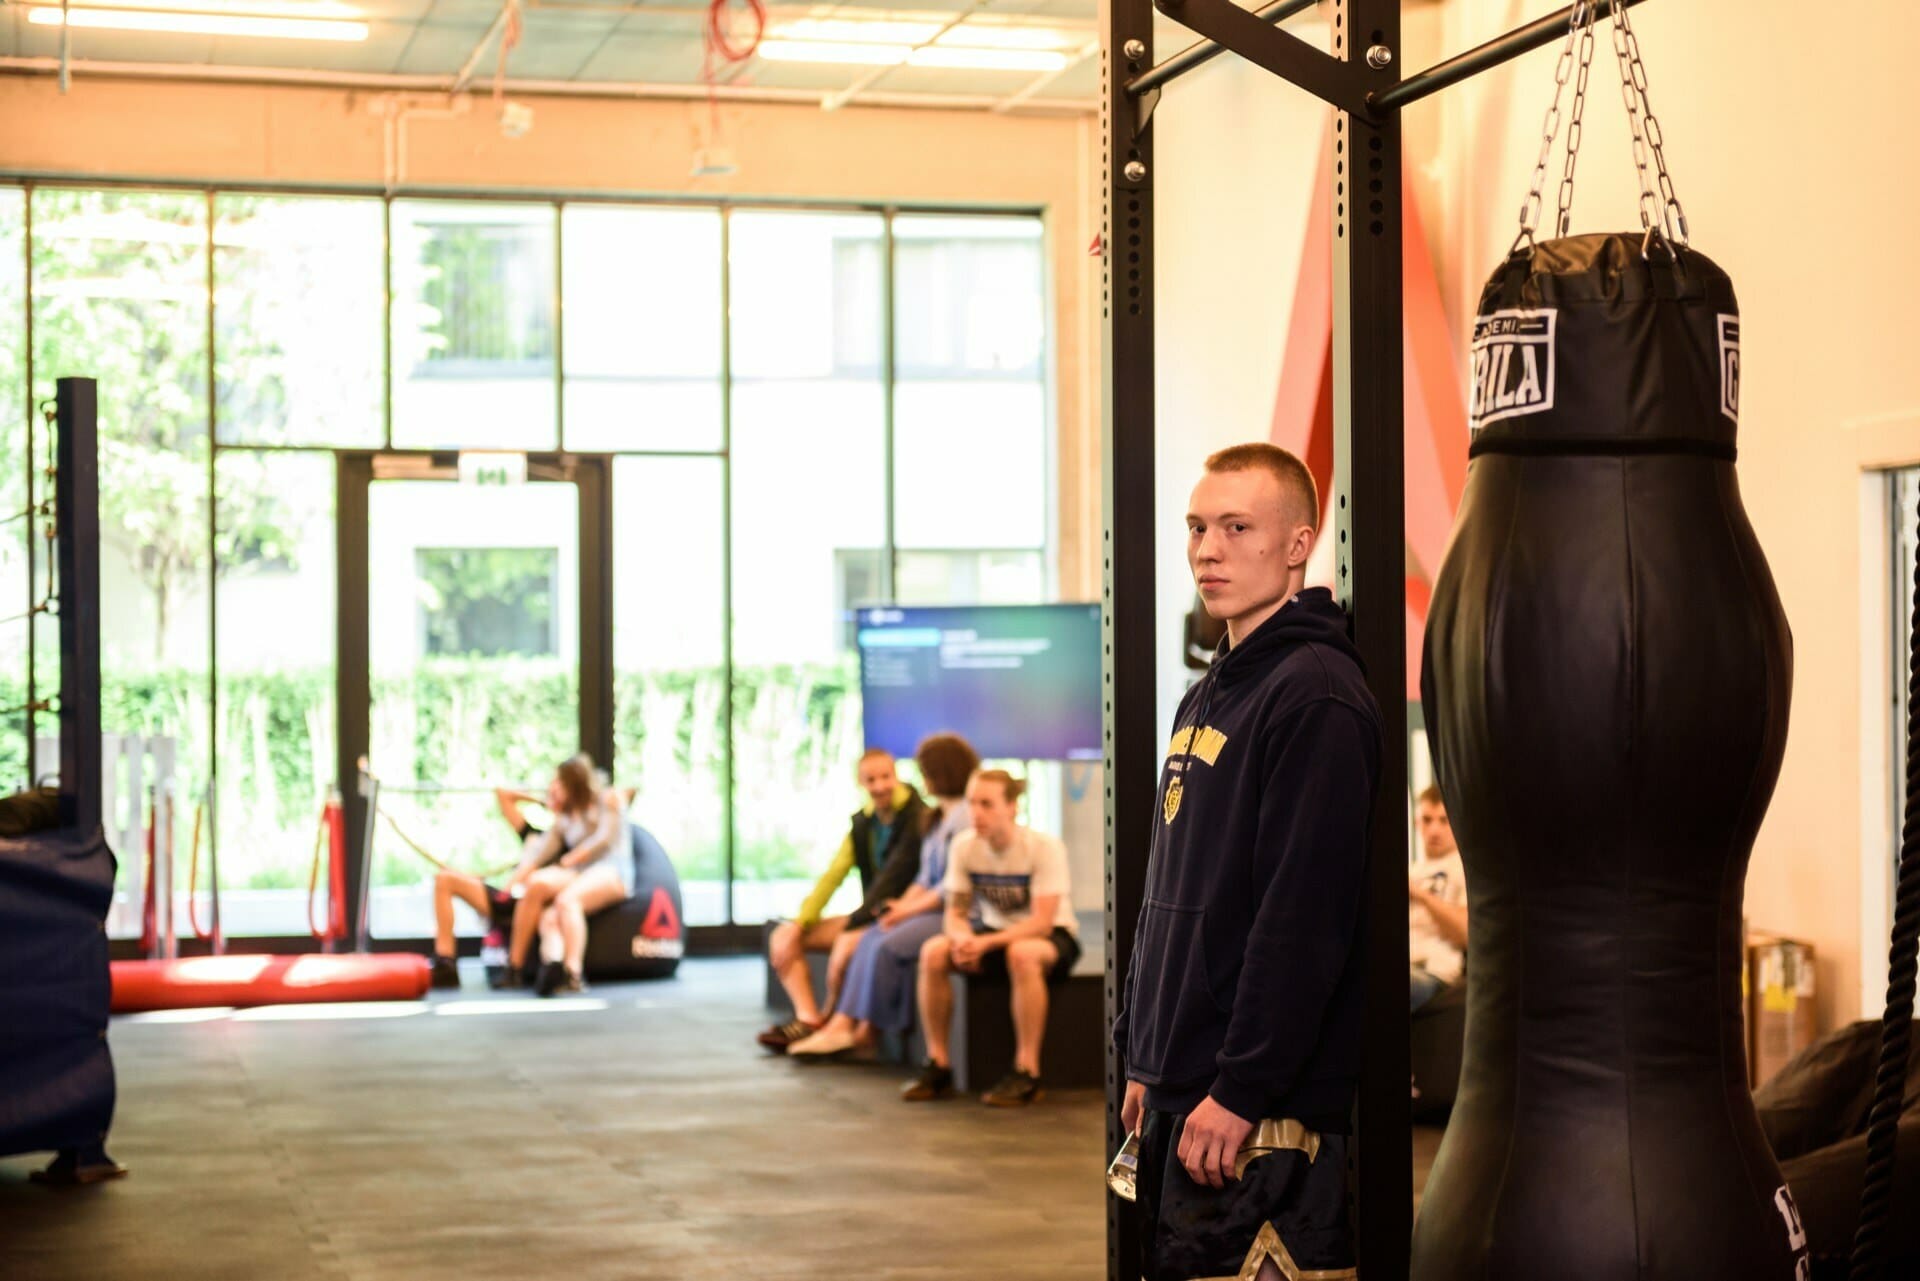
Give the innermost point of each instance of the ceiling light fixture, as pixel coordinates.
(202, 24)
(890, 55)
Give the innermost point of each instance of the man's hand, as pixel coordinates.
(1133, 1106)
(1211, 1142)
(966, 951)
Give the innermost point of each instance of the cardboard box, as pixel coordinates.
(1780, 1014)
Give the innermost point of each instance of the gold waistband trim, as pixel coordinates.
(1276, 1134)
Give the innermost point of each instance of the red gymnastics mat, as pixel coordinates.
(267, 980)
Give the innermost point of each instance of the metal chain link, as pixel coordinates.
(1673, 218)
(1564, 221)
(1550, 129)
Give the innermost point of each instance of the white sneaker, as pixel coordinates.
(828, 1041)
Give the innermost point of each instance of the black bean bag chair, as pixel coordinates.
(1814, 1113)
(56, 1074)
(644, 937)
(1436, 1042)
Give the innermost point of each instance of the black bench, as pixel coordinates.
(1074, 1056)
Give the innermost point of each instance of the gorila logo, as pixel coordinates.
(1730, 366)
(1512, 365)
(1195, 743)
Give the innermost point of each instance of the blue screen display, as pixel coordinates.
(1019, 682)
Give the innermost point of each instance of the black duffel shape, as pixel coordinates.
(1606, 688)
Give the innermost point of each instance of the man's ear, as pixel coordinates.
(1301, 548)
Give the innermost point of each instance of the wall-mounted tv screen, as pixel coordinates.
(1020, 682)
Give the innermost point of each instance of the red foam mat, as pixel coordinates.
(267, 980)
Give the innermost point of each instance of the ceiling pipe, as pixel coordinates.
(398, 82)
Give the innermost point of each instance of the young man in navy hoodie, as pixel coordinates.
(1241, 1027)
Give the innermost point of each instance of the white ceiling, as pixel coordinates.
(574, 44)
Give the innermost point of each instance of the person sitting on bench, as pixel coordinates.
(883, 844)
(497, 905)
(1017, 880)
(1436, 906)
(877, 994)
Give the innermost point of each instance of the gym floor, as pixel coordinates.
(634, 1133)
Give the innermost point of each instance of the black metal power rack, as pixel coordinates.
(1358, 79)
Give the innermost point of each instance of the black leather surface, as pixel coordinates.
(1606, 688)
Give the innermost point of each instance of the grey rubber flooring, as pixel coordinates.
(636, 1133)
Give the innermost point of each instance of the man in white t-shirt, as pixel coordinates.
(1436, 905)
(1014, 881)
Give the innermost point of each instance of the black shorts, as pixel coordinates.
(1286, 1202)
(994, 963)
(500, 906)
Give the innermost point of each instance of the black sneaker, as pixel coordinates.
(445, 973)
(934, 1082)
(781, 1035)
(571, 985)
(553, 977)
(1014, 1090)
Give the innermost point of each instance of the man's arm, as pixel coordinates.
(1310, 874)
(612, 820)
(1450, 919)
(541, 854)
(816, 901)
(892, 880)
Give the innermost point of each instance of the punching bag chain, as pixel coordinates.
(1661, 217)
(1896, 1031)
(1562, 72)
(1564, 219)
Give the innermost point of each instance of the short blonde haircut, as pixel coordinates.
(1296, 482)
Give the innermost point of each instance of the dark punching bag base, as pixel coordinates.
(1606, 682)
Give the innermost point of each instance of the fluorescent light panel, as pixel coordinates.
(203, 24)
(890, 55)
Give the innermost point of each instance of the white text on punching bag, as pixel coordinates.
(1512, 365)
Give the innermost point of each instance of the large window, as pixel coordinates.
(301, 346)
(809, 410)
(120, 294)
(810, 514)
(644, 329)
(475, 325)
(15, 414)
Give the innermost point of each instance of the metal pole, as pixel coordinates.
(1206, 51)
(890, 556)
(1370, 524)
(32, 522)
(1127, 545)
(730, 829)
(213, 594)
(1491, 54)
(76, 487)
(353, 474)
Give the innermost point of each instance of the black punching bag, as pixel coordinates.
(1606, 686)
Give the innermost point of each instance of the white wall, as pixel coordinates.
(1787, 141)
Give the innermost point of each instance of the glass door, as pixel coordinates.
(481, 635)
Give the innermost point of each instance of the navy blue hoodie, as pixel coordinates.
(1246, 977)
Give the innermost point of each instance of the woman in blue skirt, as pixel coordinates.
(878, 993)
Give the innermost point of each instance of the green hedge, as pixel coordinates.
(485, 720)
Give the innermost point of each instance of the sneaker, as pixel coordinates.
(553, 976)
(828, 1042)
(445, 972)
(934, 1082)
(571, 985)
(510, 978)
(781, 1036)
(1014, 1090)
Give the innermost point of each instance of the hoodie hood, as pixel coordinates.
(1312, 617)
